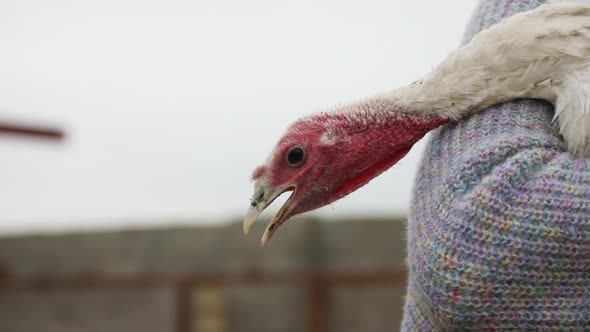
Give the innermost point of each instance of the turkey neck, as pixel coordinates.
(457, 88)
(374, 128)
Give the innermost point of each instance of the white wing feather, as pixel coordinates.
(543, 53)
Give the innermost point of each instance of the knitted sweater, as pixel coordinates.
(499, 231)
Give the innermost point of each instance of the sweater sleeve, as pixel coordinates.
(499, 231)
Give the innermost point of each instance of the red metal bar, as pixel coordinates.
(48, 133)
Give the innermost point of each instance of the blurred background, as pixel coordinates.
(128, 131)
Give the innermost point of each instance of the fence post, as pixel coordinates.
(182, 306)
(316, 306)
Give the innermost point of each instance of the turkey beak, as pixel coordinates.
(257, 205)
(261, 199)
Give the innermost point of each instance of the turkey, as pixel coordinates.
(543, 53)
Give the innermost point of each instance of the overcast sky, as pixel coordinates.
(169, 105)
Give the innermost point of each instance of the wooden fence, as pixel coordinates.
(315, 283)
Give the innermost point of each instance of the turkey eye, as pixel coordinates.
(295, 156)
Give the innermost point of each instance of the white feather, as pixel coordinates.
(543, 53)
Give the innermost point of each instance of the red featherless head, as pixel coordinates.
(324, 157)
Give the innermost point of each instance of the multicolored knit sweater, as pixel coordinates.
(499, 232)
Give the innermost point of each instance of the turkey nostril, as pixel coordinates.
(258, 195)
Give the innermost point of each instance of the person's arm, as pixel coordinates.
(499, 231)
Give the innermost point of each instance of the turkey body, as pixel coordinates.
(542, 54)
